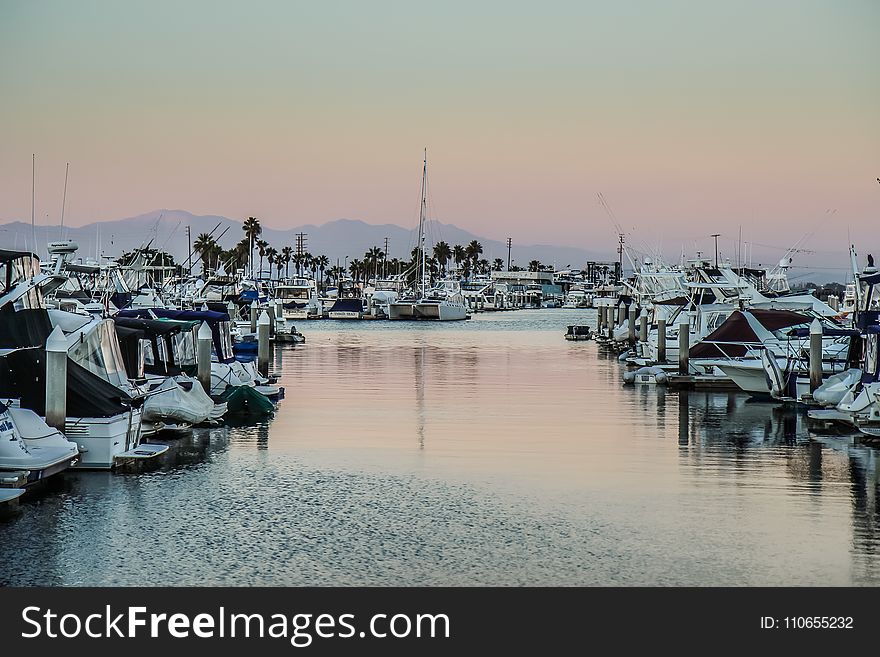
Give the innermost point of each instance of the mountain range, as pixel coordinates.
(166, 230)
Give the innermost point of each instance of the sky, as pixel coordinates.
(690, 118)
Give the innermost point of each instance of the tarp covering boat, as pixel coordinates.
(23, 328)
(244, 400)
(181, 401)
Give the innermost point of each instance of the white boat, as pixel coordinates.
(349, 302)
(102, 414)
(28, 444)
(442, 304)
(300, 299)
(576, 298)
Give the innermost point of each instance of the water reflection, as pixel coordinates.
(541, 468)
(419, 353)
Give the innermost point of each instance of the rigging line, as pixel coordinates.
(33, 198)
(64, 198)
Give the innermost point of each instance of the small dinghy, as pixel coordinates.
(646, 375)
(577, 333)
(246, 400)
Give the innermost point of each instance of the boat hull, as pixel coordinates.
(439, 311)
(103, 439)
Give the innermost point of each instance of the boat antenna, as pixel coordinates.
(422, 220)
(33, 198)
(64, 198)
(621, 235)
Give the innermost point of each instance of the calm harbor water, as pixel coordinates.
(483, 452)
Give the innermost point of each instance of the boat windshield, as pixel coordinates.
(289, 292)
(185, 347)
(98, 351)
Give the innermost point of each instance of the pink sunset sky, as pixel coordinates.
(691, 118)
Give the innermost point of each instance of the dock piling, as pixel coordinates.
(263, 343)
(643, 326)
(631, 324)
(815, 355)
(203, 356)
(255, 311)
(56, 379)
(661, 340)
(684, 336)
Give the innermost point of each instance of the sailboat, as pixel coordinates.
(444, 303)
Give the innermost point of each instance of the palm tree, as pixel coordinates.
(243, 252)
(535, 265)
(272, 257)
(262, 245)
(297, 262)
(308, 263)
(497, 264)
(482, 266)
(286, 256)
(473, 251)
(372, 258)
(215, 251)
(458, 254)
(442, 252)
(323, 262)
(433, 268)
(252, 230)
(204, 246)
(336, 272)
(356, 267)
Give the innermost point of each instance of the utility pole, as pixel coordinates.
(716, 236)
(301, 243)
(509, 243)
(620, 241)
(189, 265)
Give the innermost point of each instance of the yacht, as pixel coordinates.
(28, 444)
(445, 303)
(349, 303)
(300, 299)
(103, 407)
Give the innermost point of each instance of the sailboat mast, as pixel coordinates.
(422, 213)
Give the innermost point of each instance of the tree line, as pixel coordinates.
(252, 248)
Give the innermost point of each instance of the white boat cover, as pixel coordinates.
(181, 399)
(832, 390)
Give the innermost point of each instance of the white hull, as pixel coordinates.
(103, 439)
(437, 310)
(27, 444)
(344, 314)
(748, 376)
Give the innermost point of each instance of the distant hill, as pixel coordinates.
(335, 239)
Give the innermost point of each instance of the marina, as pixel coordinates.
(420, 300)
(490, 451)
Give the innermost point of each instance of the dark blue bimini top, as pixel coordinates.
(212, 317)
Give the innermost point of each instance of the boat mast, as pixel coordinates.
(422, 213)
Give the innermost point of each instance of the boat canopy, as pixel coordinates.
(736, 334)
(28, 327)
(218, 321)
(23, 376)
(161, 334)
